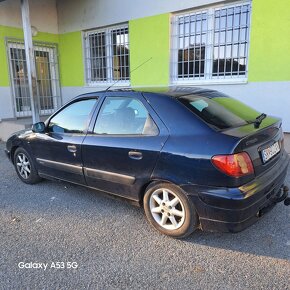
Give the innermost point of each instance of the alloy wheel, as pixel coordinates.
(167, 209)
(23, 165)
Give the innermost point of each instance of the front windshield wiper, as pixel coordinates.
(257, 122)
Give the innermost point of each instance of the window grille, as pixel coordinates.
(47, 74)
(211, 45)
(107, 55)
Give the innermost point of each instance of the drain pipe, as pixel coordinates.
(30, 60)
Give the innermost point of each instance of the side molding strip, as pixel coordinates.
(109, 176)
(89, 172)
(61, 166)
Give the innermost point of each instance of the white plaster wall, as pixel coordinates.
(43, 14)
(6, 103)
(74, 15)
(272, 98)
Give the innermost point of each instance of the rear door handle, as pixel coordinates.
(72, 148)
(135, 155)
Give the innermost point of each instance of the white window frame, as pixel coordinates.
(208, 78)
(51, 49)
(108, 55)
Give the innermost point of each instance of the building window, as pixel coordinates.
(107, 55)
(211, 45)
(47, 82)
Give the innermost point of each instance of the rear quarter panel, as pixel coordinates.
(186, 159)
(186, 155)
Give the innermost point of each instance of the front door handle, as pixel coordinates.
(135, 155)
(72, 148)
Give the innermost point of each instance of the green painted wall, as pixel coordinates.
(11, 32)
(269, 58)
(70, 55)
(71, 59)
(269, 55)
(150, 37)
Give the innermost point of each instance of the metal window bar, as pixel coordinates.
(120, 54)
(96, 57)
(107, 55)
(233, 41)
(211, 44)
(209, 40)
(48, 89)
(190, 48)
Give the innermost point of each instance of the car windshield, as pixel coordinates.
(219, 111)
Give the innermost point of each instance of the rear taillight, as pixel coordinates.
(235, 165)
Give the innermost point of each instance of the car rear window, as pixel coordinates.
(219, 111)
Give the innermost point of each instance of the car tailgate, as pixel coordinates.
(260, 143)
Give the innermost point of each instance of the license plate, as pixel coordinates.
(270, 152)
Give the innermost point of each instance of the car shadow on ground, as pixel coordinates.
(270, 236)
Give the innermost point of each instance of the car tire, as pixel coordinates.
(169, 210)
(25, 167)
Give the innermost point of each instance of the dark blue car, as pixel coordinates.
(193, 158)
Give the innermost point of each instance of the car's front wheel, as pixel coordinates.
(169, 210)
(25, 167)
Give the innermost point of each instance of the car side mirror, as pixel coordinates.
(38, 127)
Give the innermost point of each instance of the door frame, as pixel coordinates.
(124, 180)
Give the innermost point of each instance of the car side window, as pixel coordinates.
(124, 116)
(73, 118)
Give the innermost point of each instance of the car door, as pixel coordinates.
(121, 149)
(58, 151)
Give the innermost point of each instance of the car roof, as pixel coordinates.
(173, 91)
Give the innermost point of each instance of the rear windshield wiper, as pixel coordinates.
(257, 122)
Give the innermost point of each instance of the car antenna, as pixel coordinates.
(130, 73)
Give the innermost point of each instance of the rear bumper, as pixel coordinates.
(234, 209)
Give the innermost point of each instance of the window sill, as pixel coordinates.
(106, 85)
(210, 82)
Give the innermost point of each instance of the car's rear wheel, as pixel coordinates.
(169, 210)
(25, 167)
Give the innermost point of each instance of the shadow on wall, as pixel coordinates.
(287, 142)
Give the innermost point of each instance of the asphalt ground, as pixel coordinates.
(103, 243)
